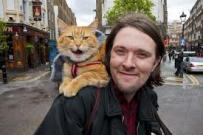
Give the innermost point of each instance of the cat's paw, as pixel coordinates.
(102, 83)
(61, 89)
(71, 91)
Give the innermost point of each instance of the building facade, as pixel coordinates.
(160, 12)
(27, 35)
(32, 29)
(64, 17)
(193, 28)
(51, 22)
(174, 33)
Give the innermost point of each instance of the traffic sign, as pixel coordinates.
(182, 42)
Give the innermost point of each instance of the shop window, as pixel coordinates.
(10, 4)
(10, 54)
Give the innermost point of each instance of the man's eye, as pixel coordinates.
(142, 55)
(120, 51)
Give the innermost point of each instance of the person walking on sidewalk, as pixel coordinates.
(179, 71)
(127, 105)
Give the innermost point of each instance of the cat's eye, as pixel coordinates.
(85, 37)
(70, 37)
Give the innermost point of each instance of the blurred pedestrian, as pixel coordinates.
(170, 55)
(179, 64)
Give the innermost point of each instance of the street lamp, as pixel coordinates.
(94, 10)
(183, 19)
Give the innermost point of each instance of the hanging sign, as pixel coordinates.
(182, 42)
(37, 11)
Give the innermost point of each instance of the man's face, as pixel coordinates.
(132, 59)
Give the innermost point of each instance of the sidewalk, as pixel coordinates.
(34, 73)
(168, 70)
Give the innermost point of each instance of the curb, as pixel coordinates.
(29, 77)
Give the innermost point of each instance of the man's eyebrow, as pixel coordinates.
(119, 46)
(143, 51)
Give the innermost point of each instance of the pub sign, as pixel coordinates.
(37, 11)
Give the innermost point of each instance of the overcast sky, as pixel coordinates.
(84, 13)
(176, 7)
(83, 10)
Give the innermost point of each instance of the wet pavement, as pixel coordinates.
(14, 76)
(25, 100)
(23, 110)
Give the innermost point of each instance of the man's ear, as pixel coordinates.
(156, 63)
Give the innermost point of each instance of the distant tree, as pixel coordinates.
(122, 6)
(3, 42)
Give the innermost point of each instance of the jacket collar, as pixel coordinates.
(112, 106)
(146, 108)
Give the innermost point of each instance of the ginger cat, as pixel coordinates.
(82, 56)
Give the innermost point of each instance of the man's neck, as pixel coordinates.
(129, 96)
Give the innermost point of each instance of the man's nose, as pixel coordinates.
(129, 62)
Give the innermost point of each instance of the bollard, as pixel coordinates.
(4, 74)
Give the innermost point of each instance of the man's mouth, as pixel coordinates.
(125, 73)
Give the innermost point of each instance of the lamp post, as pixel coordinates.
(183, 19)
(3, 67)
(94, 10)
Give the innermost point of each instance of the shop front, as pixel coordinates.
(27, 46)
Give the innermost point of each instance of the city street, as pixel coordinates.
(181, 101)
(24, 103)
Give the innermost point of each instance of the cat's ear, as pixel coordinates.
(94, 24)
(63, 26)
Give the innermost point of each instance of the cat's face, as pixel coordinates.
(78, 43)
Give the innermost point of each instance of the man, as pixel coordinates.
(179, 61)
(128, 103)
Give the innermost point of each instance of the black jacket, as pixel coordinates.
(68, 116)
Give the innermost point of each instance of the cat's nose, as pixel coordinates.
(78, 45)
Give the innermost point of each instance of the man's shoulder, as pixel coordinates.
(151, 95)
(87, 94)
(85, 98)
(88, 91)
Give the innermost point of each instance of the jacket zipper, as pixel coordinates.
(138, 124)
(123, 118)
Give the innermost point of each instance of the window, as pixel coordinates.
(1, 9)
(20, 6)
(10, 49)
(11, 4)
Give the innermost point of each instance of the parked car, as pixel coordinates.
(193, 64)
